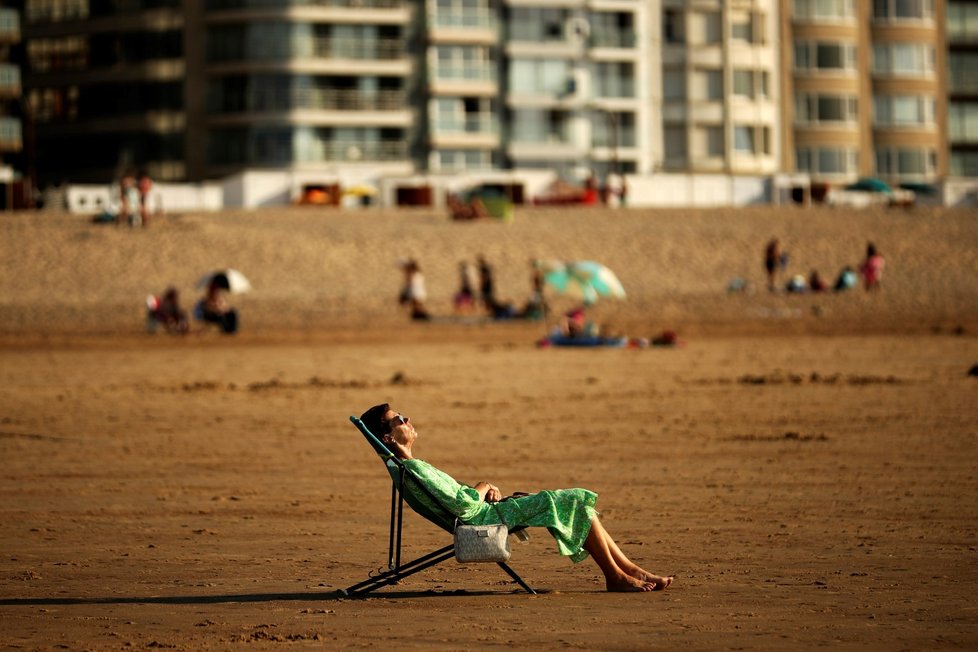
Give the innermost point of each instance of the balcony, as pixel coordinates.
(353, 151)
(463, 18)
(9, 81)
(11, 134)
(467, 71)
(318, 99)
(288, 4)
(474, 130)
(618, 39)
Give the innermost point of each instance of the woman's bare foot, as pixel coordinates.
(628, 584)
(658, 582)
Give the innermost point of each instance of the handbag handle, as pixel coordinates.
(458, 521)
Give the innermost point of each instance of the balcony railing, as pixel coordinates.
(350, 150)
(472, 71)
(318, 99)
(353, 48)
(471, 125)
(9, 76)
(10, 130)
(460, 17)
(613, 39)
(283, 4)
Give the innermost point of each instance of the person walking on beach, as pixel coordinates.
(487, 290)
(568, 514)
(872, 268)
(414, 293)
(772, 261)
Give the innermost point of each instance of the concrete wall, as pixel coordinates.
(698, 191)
(165, 197)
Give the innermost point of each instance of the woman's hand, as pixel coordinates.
(489, 492)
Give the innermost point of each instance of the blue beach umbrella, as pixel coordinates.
(584, 279)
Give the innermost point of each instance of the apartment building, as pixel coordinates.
(962, 127)
(11, 123)
(720, 87)
(835, 89)
(864, 89)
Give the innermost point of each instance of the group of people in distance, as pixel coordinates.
(164, 311)
(871, 269)
(134, 200)
(476, 291)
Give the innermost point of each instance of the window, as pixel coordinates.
(673, 84)
(963, 72)
(539, 76)
(962, 123)
(964, 164)
(705, 27)
(614, 79)
(903, 9)
(904, 110)
(674, 26)
(750, 83)
(538, 24)
(707, 85)
(751, 139)
(814, 108)
(823, 10)
(709, 141)
(913, 59)
(825, 56)
(613, 129)
(674, 137)
(827, 160)
(962, 22)
(747, 27)
(897, 161)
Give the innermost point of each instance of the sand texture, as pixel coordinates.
(807, 466)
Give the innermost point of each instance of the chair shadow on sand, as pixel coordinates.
(230, 598)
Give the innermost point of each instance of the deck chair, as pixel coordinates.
(443, 518)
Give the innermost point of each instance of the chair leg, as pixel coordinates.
(516, 577)
(395, 575)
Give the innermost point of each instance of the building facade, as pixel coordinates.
(12, 162)
(962, 124)
(865, 89)
(186, 90)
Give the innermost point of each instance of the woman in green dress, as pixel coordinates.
(568, 514)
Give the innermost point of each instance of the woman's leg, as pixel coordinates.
(606, 554)
(634, 569)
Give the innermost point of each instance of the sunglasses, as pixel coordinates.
(398, 420)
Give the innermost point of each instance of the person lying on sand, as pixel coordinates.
(568, 514)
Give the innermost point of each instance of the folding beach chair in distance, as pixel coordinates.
(396, 569)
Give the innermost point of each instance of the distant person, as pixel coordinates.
(473, 210)
(487, 285)
(575, 324)
(414, 293)
(773, 261)
(816, 283)
(872, 268)
(796, 284)
(165, 311)
(214, 307)
(465, 298)
(128, 201)
(536, 306)
(145, 188)
(846, 280)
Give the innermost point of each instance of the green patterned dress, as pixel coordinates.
(566, 513)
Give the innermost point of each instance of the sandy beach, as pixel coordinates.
(805, 465)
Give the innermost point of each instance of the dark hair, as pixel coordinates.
(373, 419)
